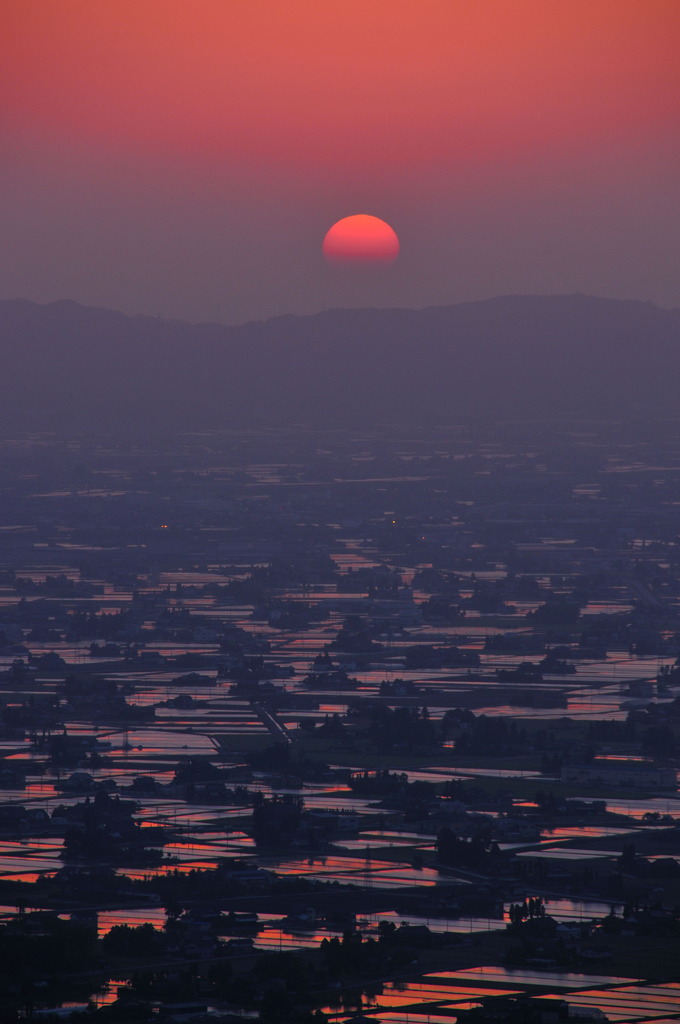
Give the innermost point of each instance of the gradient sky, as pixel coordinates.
(186, 157)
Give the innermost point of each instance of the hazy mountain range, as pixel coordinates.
(68, 365)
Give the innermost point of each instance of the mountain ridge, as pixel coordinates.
(74, 365)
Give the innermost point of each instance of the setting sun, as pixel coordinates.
(361, 239)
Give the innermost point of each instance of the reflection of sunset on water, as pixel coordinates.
(108, 919)
(181, 869)
(381, 852)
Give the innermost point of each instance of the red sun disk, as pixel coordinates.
(361, 239)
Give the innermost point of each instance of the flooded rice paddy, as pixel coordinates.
(268, 558)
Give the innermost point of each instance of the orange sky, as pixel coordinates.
(344, 84)
(349, 103)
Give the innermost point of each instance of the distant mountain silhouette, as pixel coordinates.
(68, 365)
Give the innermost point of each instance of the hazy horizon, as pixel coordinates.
(186, 160)
(66, 300)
